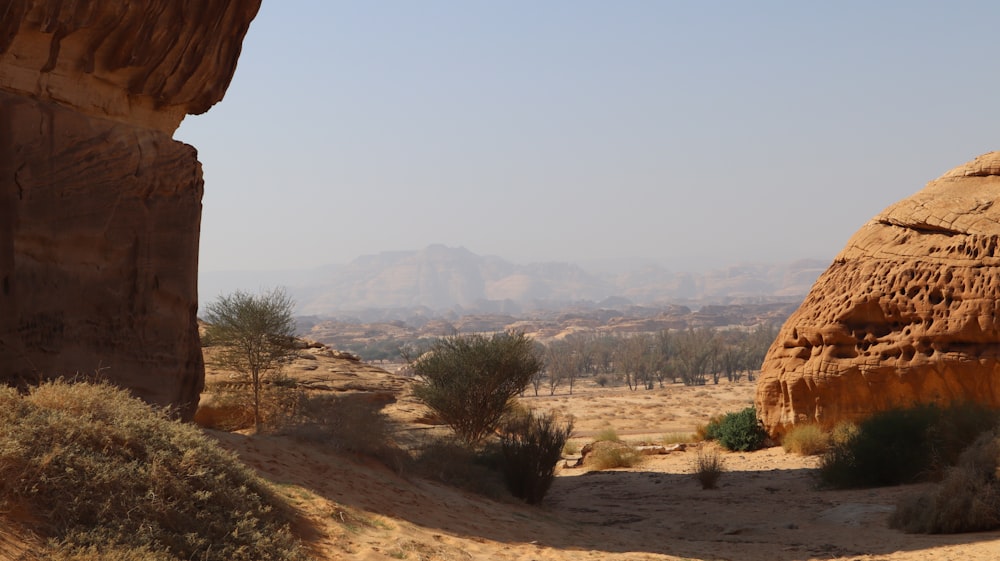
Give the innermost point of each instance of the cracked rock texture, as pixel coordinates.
(908, 312)
(100, 208)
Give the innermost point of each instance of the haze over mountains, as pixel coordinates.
(440, 279)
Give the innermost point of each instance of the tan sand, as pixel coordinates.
(768, 506)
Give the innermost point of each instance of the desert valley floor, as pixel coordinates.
(768, 505)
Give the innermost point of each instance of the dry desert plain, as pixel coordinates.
(767, 507)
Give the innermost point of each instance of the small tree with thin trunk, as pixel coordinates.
(255, 333)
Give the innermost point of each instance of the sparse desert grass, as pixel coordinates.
(708, 467)
(607, 434)
(571, 448)
(677, 438)
(806, 440)
(107, 477)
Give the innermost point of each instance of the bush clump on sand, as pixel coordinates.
(608, 454)
(967, 500)
(904, 445)
(105, 476)
(738, 432)
(806, 440)
(708, 467)
(532, 445)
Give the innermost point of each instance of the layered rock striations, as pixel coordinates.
(908, 312)
(100, 208)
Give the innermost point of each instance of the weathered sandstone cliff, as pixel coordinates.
(908, 312)
(100, 208)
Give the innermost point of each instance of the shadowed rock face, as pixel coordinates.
(908, 312)
(100, 208)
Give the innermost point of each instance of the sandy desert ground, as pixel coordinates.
(768, 506)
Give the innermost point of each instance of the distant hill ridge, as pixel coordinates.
(453, 279)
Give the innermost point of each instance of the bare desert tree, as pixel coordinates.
(255, 333)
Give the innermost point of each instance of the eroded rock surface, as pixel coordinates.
(100, 208)
(908, 312)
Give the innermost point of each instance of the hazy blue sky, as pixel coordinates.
(698, 133)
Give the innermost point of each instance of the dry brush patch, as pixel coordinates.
(105, 476)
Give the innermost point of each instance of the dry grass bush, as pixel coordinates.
(104, 476)
(843, 432)
(967, 500)
(678, 438)
(608, 434)
(708, 467)
(607, 454)
(806, 440)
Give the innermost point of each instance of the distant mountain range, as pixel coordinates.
(440, 279)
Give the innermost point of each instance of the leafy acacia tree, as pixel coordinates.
(470, 381)
(255, 333)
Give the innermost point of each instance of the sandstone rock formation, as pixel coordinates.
(908, 312)
(100, 208)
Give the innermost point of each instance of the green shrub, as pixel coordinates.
(904, 445)
(957, 427)
(708, 431)
(739, 432)
(806, 440)
(532, 445)
(708, 467)
(99, 470)
(890, 448)
(470, 381)
(968, 500)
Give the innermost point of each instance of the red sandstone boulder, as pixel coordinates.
(100, 208)
(908, 312)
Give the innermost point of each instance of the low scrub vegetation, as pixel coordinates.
(708, 467)
(532, 446)
(967, 500)
(607, 434)
(806, 440)
(104, 476)
(738, 432)
(607, 454)
(904, 445)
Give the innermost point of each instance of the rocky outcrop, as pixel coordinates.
(908, 312)
(100, 208)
